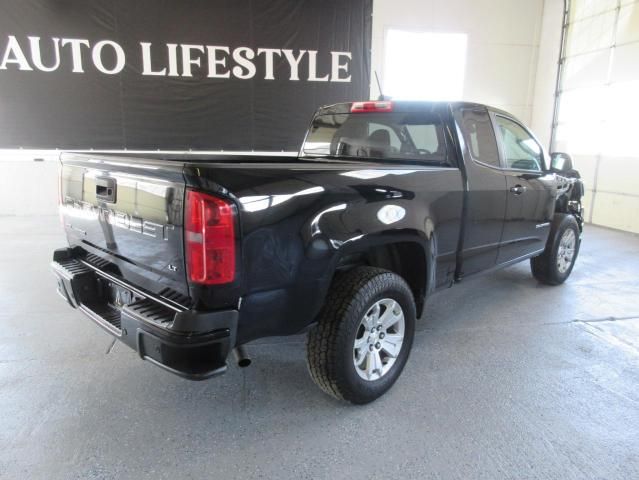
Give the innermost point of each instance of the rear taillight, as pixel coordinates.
(366, 107)
(209, 232)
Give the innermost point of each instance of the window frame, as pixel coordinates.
(502, 150)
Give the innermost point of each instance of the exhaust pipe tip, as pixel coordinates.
(241, 357)
(244, 362)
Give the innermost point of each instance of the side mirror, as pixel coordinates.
(560, 162)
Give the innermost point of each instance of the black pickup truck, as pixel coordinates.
(188, 258)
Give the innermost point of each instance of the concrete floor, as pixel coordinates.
(507, 379)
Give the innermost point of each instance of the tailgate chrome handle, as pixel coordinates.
(105, 189)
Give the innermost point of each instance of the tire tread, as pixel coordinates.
(347, 294)
(543, 266)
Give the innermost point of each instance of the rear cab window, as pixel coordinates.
(395, 136)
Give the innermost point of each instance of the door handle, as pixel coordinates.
(518, 189)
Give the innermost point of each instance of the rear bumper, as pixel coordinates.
(191, 344)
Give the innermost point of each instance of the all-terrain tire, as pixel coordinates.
(551, 267)
(330, 345)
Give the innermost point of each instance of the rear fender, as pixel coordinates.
(409, 253)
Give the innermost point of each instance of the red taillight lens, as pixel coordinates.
(209, 232)
(365, 107)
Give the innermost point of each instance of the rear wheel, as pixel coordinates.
(555, 264)
(364, 335)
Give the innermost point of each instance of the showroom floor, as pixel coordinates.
(507, 379)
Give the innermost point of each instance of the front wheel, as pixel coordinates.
(364, 335)
(554, 265)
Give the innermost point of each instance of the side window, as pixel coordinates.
(521, 151)
(479, 136)
(374, 131)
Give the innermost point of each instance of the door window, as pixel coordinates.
(479, 135)
(521, 151)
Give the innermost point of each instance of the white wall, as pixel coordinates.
(502, 51)
(547, 66)
(28, 187)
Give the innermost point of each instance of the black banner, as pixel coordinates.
(181, 74)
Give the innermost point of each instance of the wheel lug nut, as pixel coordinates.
(382, 335)
(378, 345)
(379, 327)
(370, 348)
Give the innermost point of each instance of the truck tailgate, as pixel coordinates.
(127, 214)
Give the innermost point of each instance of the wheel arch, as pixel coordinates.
(409, 255)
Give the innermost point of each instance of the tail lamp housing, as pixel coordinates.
(209, 232)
